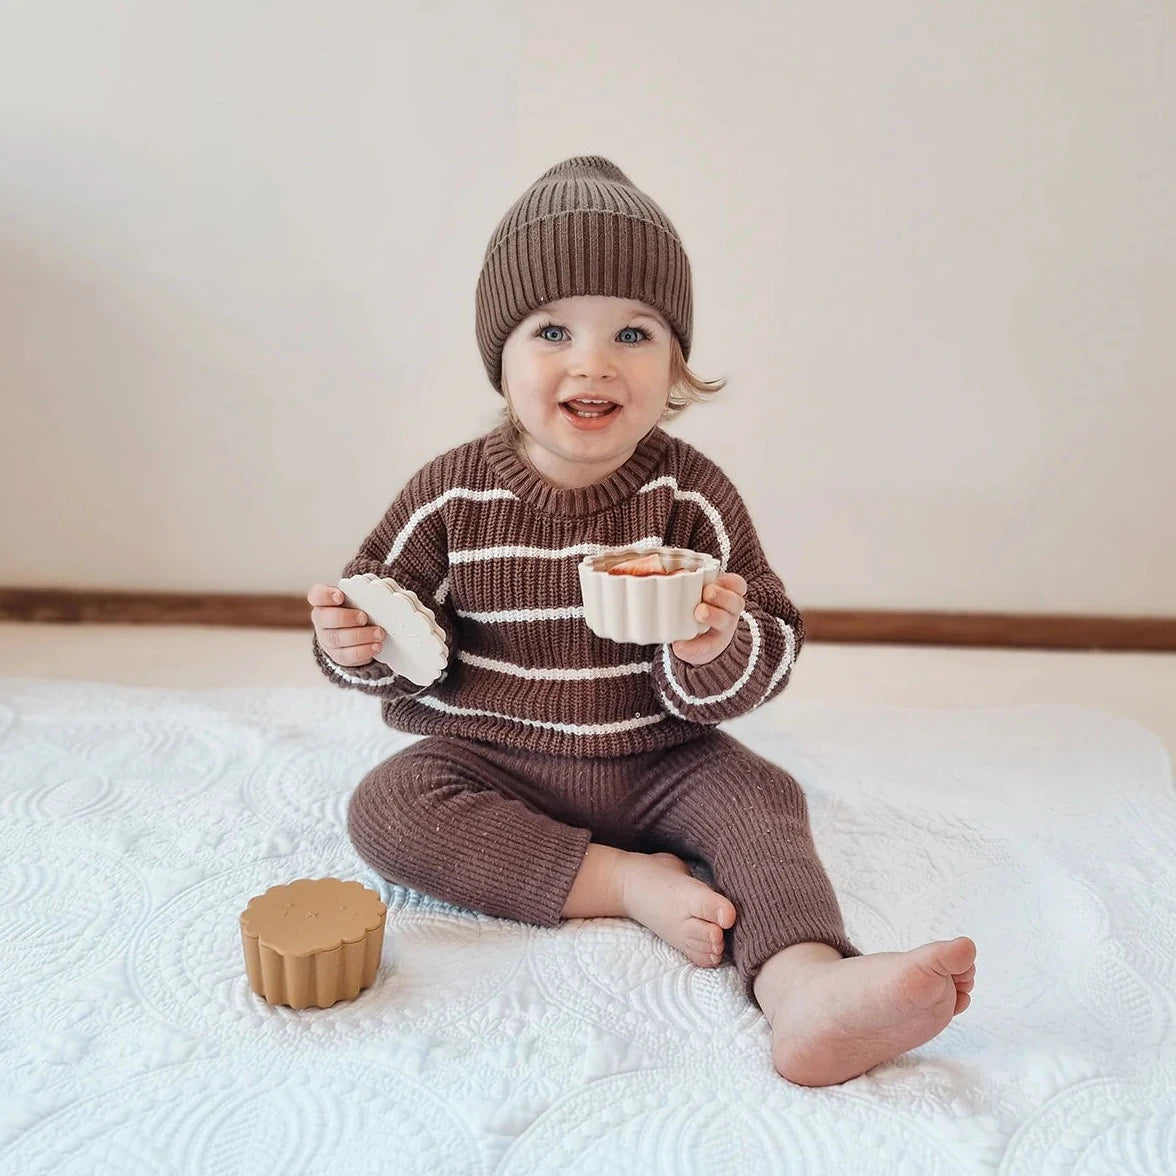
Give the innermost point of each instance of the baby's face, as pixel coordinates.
(578, 350)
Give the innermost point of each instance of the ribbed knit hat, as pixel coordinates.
(581, 228)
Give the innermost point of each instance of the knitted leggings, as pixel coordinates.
(504, 831)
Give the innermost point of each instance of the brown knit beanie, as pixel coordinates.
(581, 228)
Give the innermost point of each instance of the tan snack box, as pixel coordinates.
(313, 941)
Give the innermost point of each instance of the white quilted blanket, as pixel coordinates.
(135, 824)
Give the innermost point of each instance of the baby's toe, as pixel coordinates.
(703, 943)
(724, 913)
(704, 935)
(701, 957)
(707, 905)
(949, 957)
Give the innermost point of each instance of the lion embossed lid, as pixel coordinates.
(313, 941)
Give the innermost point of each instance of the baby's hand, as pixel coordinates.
(722, 602)
(343, 633)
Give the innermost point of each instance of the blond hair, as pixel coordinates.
(685, 389)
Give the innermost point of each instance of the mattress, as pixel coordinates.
(135, 824)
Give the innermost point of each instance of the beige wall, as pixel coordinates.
(933, 250)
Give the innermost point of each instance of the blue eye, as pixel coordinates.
(641, 333)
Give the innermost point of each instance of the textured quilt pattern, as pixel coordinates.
(135, 824)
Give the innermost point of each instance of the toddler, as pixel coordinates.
(562, 775)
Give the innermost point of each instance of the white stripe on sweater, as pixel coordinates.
(436, 504)
(539, 674)
(473, 554)
(470, 555)
(511, 616)
(340, 672)
(670, 706)
(565, 728)
(786, 661)
(740, 682)
(708, 507)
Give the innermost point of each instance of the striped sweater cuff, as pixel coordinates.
(720, 675)
(374, 677)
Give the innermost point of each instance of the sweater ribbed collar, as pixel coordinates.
(522, 479)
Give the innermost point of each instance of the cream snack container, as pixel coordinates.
(644, 608)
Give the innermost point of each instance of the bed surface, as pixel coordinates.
(136, 823)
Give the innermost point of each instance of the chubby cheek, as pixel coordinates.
(538, 388)
(533, 402)
(542, 407)
(654, 384)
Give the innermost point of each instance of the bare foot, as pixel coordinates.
(658, 890)
(833, 1018)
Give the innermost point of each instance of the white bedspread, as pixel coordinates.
(135, 824)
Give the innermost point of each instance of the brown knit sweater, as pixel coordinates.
(492, 548)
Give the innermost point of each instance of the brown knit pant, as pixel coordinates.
(504, 831)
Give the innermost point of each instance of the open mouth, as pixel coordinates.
(588, 409)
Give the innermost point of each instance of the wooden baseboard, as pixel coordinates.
(995, 630)
(105, 606)
(858, 626)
